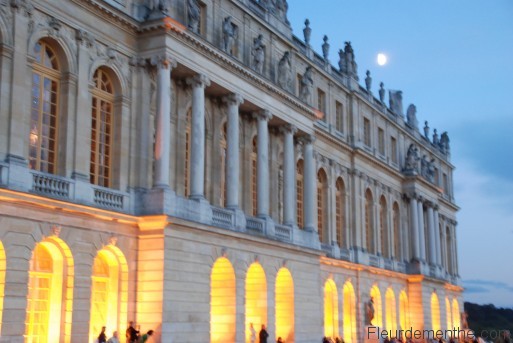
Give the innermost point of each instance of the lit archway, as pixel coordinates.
(2, 282)
(330, 309)
(222, 302)
(375, 294)
(256, 298)
(108, 291)
(50, 291)
(391, 313)
(456, 314)
(435, 312)
(448, 313)
(404, 311)
(349, 313)
(285, 305)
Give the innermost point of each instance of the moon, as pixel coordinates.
(382, 59)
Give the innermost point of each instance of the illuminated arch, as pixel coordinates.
(256, 298)
(448, 313)
(50, 291)
(222, 302)
(456, 314)
(375, 294)
(2, 282)
(108, 291)
(330, 309)
(404, 311)
(285, 305)
(391, 313)
(349, 313)
(435, 312)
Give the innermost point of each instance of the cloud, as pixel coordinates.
(490, 283)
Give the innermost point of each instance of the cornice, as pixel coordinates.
(110, 12)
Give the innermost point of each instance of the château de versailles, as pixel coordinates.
(194, 167)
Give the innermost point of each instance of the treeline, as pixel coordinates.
(488, 317)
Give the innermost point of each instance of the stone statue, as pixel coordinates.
(370, 312)
(325, 48)
(194, 14)
(229, 34)
(430, 171)
(285, 72)
(412, 159)
(307, 32)
(368, 81)
(444, 143)
(306, 85)
(351, 66)
(395, 99)
(436, 141)
(411, 117)
(158, 5)
(282, 8)
(426, 130)
(342, 65)
(258, 53)
(424, 166)
(382, 92)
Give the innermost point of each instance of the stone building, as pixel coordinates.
(194, 167)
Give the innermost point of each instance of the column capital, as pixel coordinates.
(263, 115)
(429, 203)
(307, 139)
(436, 207)
(233, 99)
(163, 61)
(288, 129)
(198, 81)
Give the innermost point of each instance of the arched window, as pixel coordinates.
(254, 198)
(383, 227)
(322, 206)
(397, 232)
(187, 186)
(44, 116)
(404, 311)
(375, 295)
(2, 282)
(448, 246)
(330, 309)
(108, 291)
(222, 302)
(223, 146)
(456, 314)
(299, 192)
(369, 222)
(448, 313)
(256, 298)
(391, 315)
(349, 313)
(102, 112)
(284, 305)
(435, 312)
(340, 212)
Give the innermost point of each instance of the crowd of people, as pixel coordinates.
(132, 335)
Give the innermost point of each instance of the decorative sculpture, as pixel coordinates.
(351, 66)
(368, 81)
(258, 53)
(370, 312)
(424, 166)
(194, 15)
(426, 130)
(342, 65)
(307, 32)
(444, 143)
(229, 34)
(430, 171)
(325, 48)
(436, 140)
(285, 72)
(412, 159)
(282, 8)
(411, 117)
(395, 99)
(158, 5)
(306, 85)
(382, 92)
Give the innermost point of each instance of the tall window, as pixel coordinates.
(322, 206)
(321, 103)
(187, 153)
(101, 129)
(397, 231)
(299, 192)
(383, 227)
(223, 147)
(369, 236)
(445, 183)
(393, 149)
(366, 132)
(254, 175)
(381, 141)
(448, 248)
(339, 119)
(44, 109)
(340, 212)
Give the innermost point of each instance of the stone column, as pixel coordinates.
(422, 235)
(263, 118)
(414, 227)
(233, 102)
(431, 233)
(438, 259)
(289, 175)
(197, 170)
(309, 185)
(163, 129)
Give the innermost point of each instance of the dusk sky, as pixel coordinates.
(454, 61)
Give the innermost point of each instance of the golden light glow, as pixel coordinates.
(2, 282)
(404, 311)
(375, 294)
(349, 313)
(330, 309)
(222, 302)
(50, 291)
(256, 298)
(285, 305)
(456, 314)
(435, 312)
(391, 313)
(448, 313)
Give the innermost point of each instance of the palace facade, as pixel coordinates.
(194, 167)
